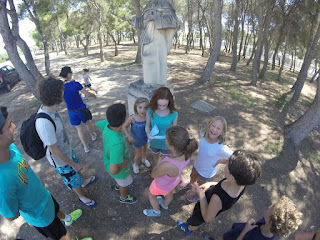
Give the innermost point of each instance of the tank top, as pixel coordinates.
(168, 183)
(137, 131)
(226, 200)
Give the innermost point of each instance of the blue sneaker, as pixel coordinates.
(161, 200)
(184, 227)
(151, 213)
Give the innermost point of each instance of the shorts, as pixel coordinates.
(87, 85)
(201, 177)
(124, 182)
(56, 229)
(157, 150)
(196, 218)
(76, 118)
(154, 190)
(70, 177)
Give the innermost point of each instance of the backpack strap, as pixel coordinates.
(46, 116)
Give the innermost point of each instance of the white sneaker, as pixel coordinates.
(146, 163)
(135, 168)
(94, 137)
(86, 149)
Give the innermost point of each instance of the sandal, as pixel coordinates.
(92, 179)
(90, 204)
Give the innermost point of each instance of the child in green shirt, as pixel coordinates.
(116, 154)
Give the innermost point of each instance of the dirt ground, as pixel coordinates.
(254, 123)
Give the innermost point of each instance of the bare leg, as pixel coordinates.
(156, 158)
(61, 215)
(144, 150)
(66, 237)
(81, 135)
(168, 199)
(200, 181)
(89, 127)
(194, 176)
(123, 192)
(192, 228)
(137, 157)
(299, 235)
(83, 198)
(154, 202)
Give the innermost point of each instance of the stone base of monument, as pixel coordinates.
(139, 89)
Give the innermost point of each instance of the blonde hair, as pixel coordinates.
(222, 137)
(138, 102)
(285, 218)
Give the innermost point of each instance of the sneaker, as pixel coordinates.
(161, 200)
(184, 227)
(185, 186)
(151, 213)
(86, 149)
(128, 200)
(146, 163)
(74, 216)
(94, 137)
(135, 168)
(193, 198)
(116, 187)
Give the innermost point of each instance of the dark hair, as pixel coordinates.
(50, 91)
(245, 167)
(161, 93)
(116, 114)
(178, 138)
(5, 114)
(64, 71)
(85, 70)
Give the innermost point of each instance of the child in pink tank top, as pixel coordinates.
(167, 174)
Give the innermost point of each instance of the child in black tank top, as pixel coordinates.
(242, 169)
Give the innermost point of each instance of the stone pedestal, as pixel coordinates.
(139, 89)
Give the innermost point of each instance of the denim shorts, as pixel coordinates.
(157, 150)
(70, 177)
(76, 118)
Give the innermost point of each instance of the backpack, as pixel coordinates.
(30, 140)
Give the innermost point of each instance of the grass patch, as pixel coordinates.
(245, 99)
(274, 147)
(313, 155)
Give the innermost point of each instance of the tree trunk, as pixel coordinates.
(283, 59)
(235, 37)
(10, 45)
(299, 130)
(137, 8)
(206, 75)
(242, 36)
(265, 60)
(253, 50)
(99, 19)
(305, 67)
(280, 40)
(314, 75)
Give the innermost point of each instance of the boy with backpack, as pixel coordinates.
(59, 152)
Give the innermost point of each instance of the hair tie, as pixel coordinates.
(188, 140)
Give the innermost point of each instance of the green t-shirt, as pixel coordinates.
(114, 149)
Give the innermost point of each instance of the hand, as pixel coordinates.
(77, 167)
(131, 139)
(251, 224)
(205, 186)
(221, 161)
(150, 136)
(197, 189)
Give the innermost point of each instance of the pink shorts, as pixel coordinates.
(154, 190)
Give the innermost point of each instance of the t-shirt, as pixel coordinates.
(50, 136)
(21, 190)
(163, 124)
(209, 154)
(85, 78)
(114, 149)
(254, 234)
(72, 96)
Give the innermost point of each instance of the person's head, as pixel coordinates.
(116, 114)
(141, 106)
(161, 99)
(66, 72)
(283, 217)
(85, 71)
(216, 128)
(243, 167)
(51, 91)
(178, 138)
(6, 128)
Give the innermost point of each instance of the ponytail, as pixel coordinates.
(191, 148)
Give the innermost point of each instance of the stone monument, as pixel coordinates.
(158, 25)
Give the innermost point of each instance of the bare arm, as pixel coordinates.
(13, 218)
(125, 129)
(88, 94)
(116, 168)
(147, 128)
(175, 121)
(221, 161)
(248, 227)
(55, 151)
(165, 168)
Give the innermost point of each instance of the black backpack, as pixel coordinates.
(30, 140)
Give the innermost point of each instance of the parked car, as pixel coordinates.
(8, 77)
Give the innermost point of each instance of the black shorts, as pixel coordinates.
(56, 229)
(196, 218)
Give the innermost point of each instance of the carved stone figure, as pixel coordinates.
(158, 24)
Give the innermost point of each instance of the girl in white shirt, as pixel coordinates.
(211, 153)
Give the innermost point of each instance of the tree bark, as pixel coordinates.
(235, 37)
(283, 60)
(206, 75)
(137, 8)
(265, 60)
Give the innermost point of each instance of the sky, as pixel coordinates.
(25, 26)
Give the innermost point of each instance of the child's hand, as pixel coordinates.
(150, 136)
(205, 186)
(251, 224)
(131, 139)
(77, 167)
(197, 189)
(221, 161)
